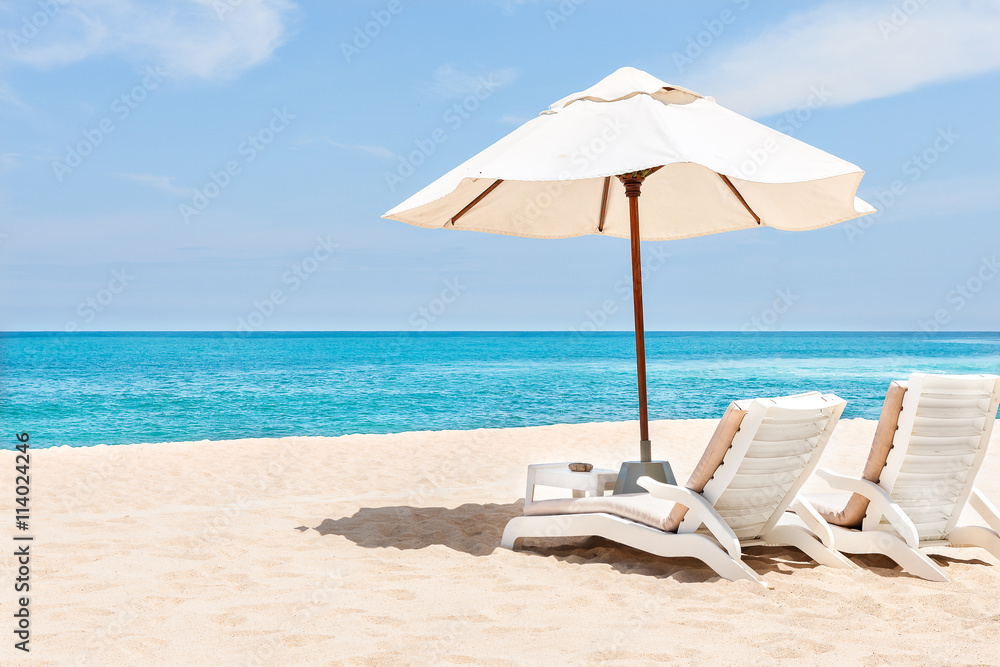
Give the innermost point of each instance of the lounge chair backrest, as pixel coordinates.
(777, 446)
(941, 439)
(854, 512)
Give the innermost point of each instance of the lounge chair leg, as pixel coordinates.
(746, 572)
(881, 542)
(734, 570)
(976, 536)
(915, 562)
(667, 545)
(514, 533)
(806, 542)
(707, 551)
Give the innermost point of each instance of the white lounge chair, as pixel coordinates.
(760, 455)
(929, 445)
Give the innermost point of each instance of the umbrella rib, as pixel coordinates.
(475, 201)
(604, 204)
(743, 201)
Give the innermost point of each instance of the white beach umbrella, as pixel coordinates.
(701, 169)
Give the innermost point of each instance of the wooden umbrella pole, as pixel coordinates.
(632, 183)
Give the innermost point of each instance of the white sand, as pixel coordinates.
(385, 550)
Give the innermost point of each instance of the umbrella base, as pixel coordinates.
(633, 470)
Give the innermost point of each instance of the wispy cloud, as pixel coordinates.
(371, 149)
(973, 196)
(508, 5)
(860, 51)
(447, 81)
(161, 183)
(378, 151)
(511, 119)
(197, 38)
(11, 161)
(7, 97)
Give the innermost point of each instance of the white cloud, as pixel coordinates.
(448, 81)
(371, 149)
(860, 51)
(197, 38)
(161, 183)
(8, 97)
(378, 151)
(973, 196)
(510, 119)
(12, 161)
(508, 5)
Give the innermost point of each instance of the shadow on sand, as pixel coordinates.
(471, 528)
(476, 529)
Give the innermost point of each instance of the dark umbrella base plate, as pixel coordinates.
(633, 470)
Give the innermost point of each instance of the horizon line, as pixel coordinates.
(493, 331)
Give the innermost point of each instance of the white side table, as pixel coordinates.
(594, 483)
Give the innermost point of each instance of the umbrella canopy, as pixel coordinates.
(553, 177)
(700, 167)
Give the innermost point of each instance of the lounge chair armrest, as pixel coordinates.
(842, 482)
(701, 508)
(985, 508)
(813, 520)
(879, 500)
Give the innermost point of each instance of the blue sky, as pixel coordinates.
(211, 165)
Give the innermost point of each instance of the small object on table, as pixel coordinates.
(581, 467)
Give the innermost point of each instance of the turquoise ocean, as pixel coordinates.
(117, 388)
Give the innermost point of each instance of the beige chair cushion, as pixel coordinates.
(853, 513)
(638, 507)
(642, 507)
(712, 457)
